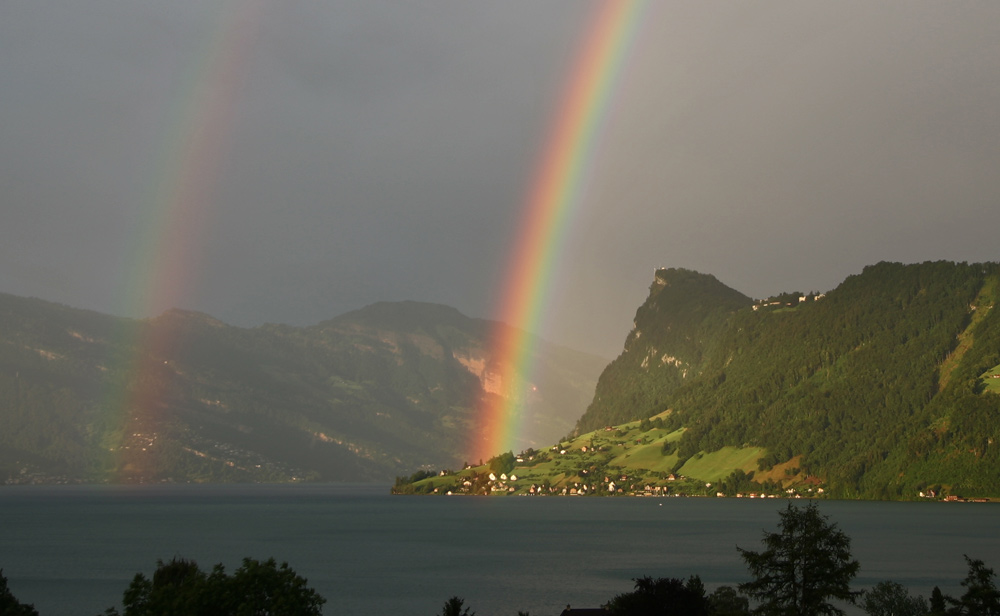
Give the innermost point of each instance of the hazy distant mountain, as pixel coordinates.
(364, 396)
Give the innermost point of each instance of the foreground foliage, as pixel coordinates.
(456, 607)
(981, 597)
(662, 596)
(805, 565)
(9, 605)
(255, 589)
(890, 598)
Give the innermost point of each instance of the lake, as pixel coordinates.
(73, 549)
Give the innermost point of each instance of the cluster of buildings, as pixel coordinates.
(772, 302)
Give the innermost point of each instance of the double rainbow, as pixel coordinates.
(179, 204)
(565, 166)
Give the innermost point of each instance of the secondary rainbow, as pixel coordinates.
(564, 168)
(174, 213)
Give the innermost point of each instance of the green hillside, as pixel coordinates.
(674, 330)
(361, 397)
(637, 458)
(881, 388)
(877, 386)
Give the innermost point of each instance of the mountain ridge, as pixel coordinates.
(881, 388)
(851, 382)
(349, 399)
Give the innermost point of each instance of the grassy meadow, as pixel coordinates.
(635, 458)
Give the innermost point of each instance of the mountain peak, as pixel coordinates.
(688, 280)
(883, 390)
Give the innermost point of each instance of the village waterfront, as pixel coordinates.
(73, 549)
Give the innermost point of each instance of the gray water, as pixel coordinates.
(73, 550)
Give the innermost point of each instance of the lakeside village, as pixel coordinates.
(635, 459)
(527, 477)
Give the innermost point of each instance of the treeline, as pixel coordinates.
(878, 386)
(257, 588)
(804, 568)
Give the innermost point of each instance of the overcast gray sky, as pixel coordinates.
(366, 151)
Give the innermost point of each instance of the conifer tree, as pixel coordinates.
(981, 597)
(803, 566)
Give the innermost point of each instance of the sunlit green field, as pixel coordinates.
(992, 384)
(595, 458)
(718, 464)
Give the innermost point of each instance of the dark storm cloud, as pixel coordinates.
(381, 150)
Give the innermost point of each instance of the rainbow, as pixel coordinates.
(175, 211)
(196, 140)
(559, 186)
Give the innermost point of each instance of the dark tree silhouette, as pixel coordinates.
(266, 588)
(981, 597)
(662, 597)
(255, 589)
(9, 605)
(727, 601)
(890, 598)
(803, 566)
(454, 607)
(938, 604)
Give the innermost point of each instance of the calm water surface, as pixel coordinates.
(73, 550)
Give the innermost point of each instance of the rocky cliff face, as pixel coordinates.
(673, 329)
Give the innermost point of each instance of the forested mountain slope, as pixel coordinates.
(361, 397)
(881, 388)
(673, 330)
